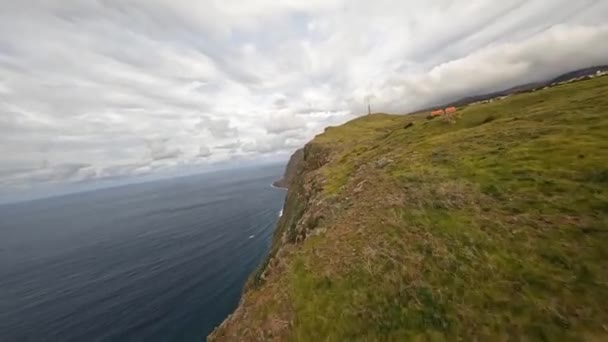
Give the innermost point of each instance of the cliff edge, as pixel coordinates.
(492, 227)
(291, 170)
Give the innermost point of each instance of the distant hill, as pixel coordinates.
(514, 90)
(523, 88)
(579, 73)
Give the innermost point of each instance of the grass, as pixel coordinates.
(492, 228)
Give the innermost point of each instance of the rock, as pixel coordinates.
(359, 187)
(318, 231)
(383, 162)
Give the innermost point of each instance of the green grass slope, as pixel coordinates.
(492, 228)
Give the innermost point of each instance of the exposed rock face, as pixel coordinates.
(290, 170)
(303, 211)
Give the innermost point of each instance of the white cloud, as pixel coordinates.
(131, 87)
(204, 152)
(283, 121)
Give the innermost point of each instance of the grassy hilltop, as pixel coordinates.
(492, 228)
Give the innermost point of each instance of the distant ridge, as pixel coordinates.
(527, 87)
(579, 73)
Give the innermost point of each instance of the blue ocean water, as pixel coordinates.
(159, 261)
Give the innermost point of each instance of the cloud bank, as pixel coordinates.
(112, 88)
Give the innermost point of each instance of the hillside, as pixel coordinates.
(493, 228)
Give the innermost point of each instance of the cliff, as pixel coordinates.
(291, 170)
(493, 227)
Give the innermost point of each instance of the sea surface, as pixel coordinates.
(158, 261)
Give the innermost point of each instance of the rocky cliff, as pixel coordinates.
(492, 227)
(291, 170)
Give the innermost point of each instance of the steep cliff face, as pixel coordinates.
(266, 288)
(398, 228)
(291, 170)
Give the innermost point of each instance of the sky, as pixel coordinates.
(92, 90)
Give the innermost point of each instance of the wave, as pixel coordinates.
(277, 187)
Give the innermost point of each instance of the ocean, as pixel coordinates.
(158, 261)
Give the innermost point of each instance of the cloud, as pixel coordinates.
(280, 122)
(267, 145)
(229, 145)
(219, 128)
(98, 89)
(501, 66)
(46, 174)
(160, 149)
(204, 152)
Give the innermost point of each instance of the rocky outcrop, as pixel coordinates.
(290, 170)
